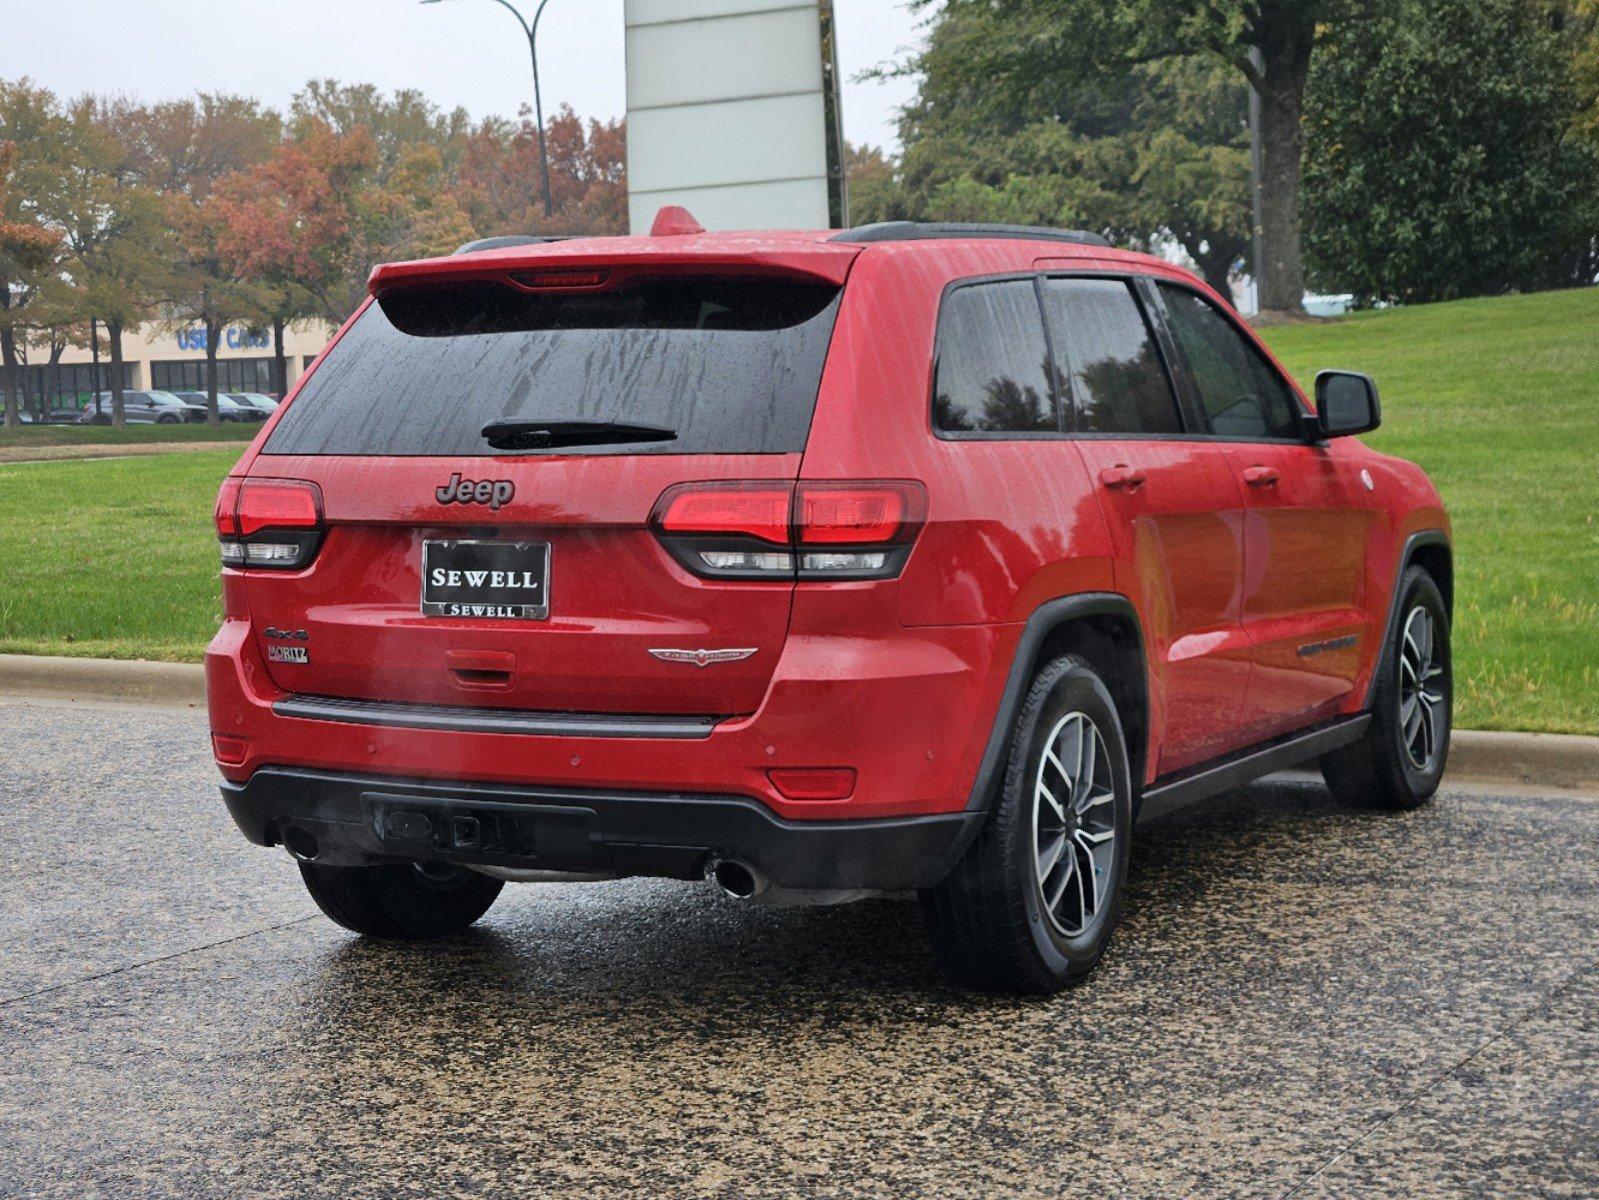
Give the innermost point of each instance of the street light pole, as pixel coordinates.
(532, 34)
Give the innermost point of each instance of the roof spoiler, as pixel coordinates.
(512, 239)
(919, 231)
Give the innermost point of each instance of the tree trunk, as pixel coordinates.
(114, 336)
(58, 347)
(30, 397)
(280, 363)
(8, 352)
(8, 358)
(1285, 48)
(213, 332)
(94, 371)
(1215, 264)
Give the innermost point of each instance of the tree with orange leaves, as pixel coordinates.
(498, 176)
(307, 225)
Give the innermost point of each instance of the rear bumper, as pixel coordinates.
(910, 713)
(355, 819)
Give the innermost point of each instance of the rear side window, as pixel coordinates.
(1118, 381)
(1243, 397)
(992, 374)
(729, 366)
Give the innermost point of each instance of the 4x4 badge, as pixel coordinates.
(703, 658)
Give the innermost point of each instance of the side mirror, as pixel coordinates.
(1346, 403)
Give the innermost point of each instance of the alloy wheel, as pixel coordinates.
(1421, 695)
(1074, 831)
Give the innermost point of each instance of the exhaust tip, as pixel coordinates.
(301, 843)
(736, 879)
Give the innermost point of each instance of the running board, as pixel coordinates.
(1179, 791)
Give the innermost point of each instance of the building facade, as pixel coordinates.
(733, 112)
(162, 359)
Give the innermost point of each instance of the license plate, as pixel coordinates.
(508, 581)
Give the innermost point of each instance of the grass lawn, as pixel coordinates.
(130, 435)
(1498, 399)
(111, 559)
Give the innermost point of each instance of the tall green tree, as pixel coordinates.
(1157, 153)
(31, 138)
(1582, 26)
(1016, 49)
(121, 249)
(1443, 155)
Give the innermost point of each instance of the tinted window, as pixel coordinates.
(732, 367)
(1118, 382)
(1243, 397)
(992, 371)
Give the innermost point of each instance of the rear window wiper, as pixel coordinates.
(531, 434)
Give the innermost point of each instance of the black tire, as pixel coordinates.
(1383, 769)
(991, 925)
(407, 901)
(166, 420)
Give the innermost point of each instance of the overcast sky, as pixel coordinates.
(465, 52)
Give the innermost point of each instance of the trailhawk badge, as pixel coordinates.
(703, 658)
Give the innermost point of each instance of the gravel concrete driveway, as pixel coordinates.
(1303, 1001)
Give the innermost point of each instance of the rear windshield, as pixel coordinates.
(732, 367)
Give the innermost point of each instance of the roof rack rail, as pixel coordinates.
(512, 239)
(914, 231)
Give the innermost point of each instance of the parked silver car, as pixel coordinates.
(229, 408)
(265, 403)
(143, 408)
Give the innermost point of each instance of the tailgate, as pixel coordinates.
(614, 594)
(504, 427)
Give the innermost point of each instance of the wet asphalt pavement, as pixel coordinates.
(1303, 1001)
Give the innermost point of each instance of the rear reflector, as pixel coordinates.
(230, 751)
(813, 783)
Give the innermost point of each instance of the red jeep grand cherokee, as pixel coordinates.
(909, 558)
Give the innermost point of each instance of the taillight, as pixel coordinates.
(756, 510)
(227, 510)
(856, 530)
(853, 529)
(274, 524)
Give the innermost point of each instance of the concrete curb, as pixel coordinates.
(178, 685)
(1544, 760)
(1525, 759)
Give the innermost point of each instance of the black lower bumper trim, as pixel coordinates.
(352, 819)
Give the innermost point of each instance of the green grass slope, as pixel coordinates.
(1499, 400)
(111, 559)
(26, 436)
